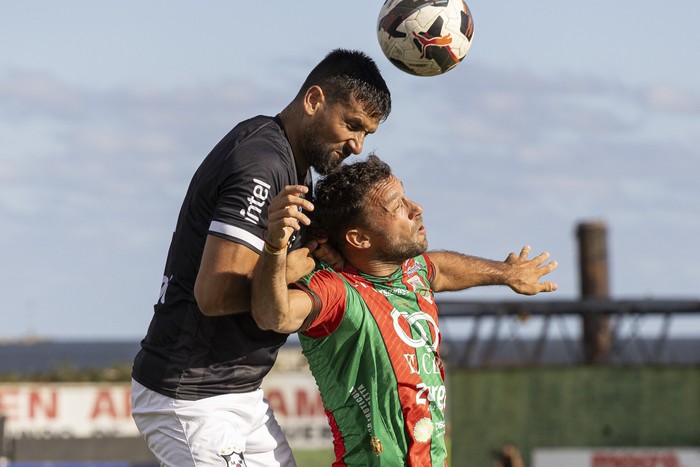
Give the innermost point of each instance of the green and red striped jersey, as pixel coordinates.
(373, 349)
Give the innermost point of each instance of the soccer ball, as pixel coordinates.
(425, 37)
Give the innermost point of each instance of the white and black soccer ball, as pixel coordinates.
(425, 37)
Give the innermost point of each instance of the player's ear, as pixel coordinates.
(313, 99)
(358, 238)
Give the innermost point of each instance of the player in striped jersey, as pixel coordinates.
(371, 331)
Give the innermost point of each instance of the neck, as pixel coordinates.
(373, 267)
(290, 118)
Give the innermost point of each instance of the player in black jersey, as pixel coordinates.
(196, 393)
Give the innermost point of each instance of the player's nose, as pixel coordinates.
(416, 209)
(355, 144)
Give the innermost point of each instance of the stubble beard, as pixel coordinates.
(319, 154)
(398, 252)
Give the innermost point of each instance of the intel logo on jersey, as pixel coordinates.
(255, 202)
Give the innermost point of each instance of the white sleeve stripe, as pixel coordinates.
(236, 232)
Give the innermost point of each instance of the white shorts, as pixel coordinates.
(229, 430)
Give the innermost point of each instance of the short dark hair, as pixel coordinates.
(350, 73)
(340, 198)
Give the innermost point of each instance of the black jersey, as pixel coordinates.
(185, 354)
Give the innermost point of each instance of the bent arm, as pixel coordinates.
(455, 271)
(223, 281)
(275, 307)
(225, 275)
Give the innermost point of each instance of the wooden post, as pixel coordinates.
(2, 438)
(593, 262)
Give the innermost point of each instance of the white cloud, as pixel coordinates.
(499, 158)
(667, 98)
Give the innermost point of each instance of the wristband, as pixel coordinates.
(271, 250)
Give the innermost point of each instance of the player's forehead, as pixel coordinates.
(386, 191)
(358, 115)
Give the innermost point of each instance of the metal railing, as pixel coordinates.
(540, 333)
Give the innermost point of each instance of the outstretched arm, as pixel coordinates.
(456, 271)
(274, 306)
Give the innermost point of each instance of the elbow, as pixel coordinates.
(262, 321)
(220, 299)
(206, 307)
(277, 323)
(218, 306)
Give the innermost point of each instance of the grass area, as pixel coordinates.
(314, 458)
(325, 457)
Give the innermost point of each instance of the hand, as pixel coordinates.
(325, 252)
(524, 279)
(300, 262)
(285, 215)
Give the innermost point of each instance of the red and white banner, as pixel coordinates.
(88, 410)
(618, 457)
(297, 404)
(66, 410)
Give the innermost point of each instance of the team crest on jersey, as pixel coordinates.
(376, 445)
(412, 267)
(234, 459)
(419, 287)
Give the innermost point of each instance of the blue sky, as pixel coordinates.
(561, 113)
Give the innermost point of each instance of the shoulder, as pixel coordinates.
(260, 132)
(322, 273)
(256, 151)
(328, 292)
(422, 265)
(260, 124)
(256, 137)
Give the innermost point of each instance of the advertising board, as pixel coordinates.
(618, 457)
(89, 410)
